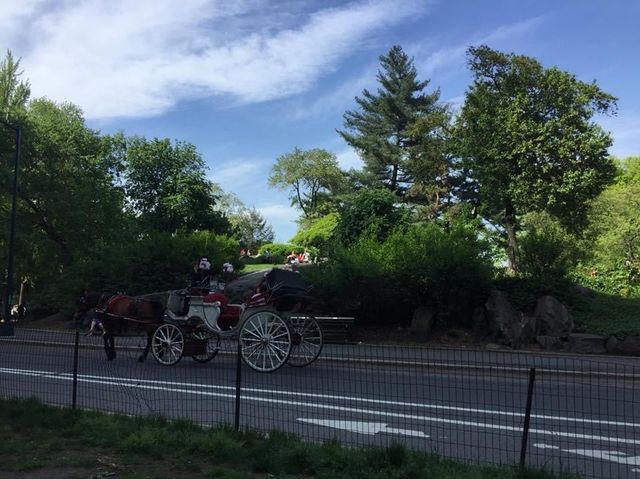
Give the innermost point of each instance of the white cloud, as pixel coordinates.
(454, 55)
(348, 159)
(236, 173)
(338, 97)
(442, 58)
(282, 218)
(121, 58)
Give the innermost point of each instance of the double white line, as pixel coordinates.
(328, 402)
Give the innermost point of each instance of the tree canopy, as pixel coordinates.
(166, 187)
(312, 178)
(526, 135)
(398, 130)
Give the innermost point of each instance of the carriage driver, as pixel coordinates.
(202, 272)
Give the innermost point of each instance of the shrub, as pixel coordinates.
(155, 262)
(373, 211)
(421, 265)
(317, 233)
(546, 249)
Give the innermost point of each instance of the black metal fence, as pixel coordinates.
(563, 413)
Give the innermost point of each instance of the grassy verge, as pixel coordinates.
(56, 443)
(607, 315)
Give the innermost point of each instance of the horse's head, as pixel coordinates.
(86, 304)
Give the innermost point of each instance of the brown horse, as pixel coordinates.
(122, 316)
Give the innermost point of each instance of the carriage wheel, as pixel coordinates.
(265, 341)
(167, 344)
(306, 340)
(213, 344)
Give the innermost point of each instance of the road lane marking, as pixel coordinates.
(369, 428)
(137, 385)
(545, 446)
(338, 398)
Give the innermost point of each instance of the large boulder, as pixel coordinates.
(587, 344)
(629, 346)
(503, 321)
(422, 322)
(551, 343)
(552, 318)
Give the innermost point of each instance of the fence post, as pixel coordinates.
(74, 394)
(527, 417)
(238, 382)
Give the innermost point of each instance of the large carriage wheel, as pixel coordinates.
(213, 344)
(167, 344)
(265, 341)
(306, 340)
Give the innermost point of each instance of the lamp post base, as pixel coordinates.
(6, 328)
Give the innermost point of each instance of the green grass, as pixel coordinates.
(66, 443)
(607, 315)
(250, 268)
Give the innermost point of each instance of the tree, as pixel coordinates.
(312, 177)
(370, 211)
(14, 93)
(614, 229)
(397, 131)
(317, 232)
(166, 187)
(526, 135)
(252, 229)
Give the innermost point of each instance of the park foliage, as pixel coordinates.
(515, 189)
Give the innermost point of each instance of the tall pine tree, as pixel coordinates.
(394, 130)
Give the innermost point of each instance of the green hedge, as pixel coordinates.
(154, 262)
(384, 281)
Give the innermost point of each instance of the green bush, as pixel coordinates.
(616, 280)
(546, 249)
(372, 211)
(155, 262)
(318, 233)
(384, 281)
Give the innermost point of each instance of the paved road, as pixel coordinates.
(463, 404)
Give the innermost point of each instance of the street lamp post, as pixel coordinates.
(6, 326)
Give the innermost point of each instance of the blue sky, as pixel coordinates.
(248, 80)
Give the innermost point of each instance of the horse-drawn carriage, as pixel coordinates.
(273, 325)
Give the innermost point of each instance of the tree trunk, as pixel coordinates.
(512, 245)
(394, 178)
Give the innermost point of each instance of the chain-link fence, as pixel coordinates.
(559, 412)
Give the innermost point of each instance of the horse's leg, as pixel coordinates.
(145, 353)
(109, 346)
(105, 339)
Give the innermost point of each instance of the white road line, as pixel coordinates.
(545, 446)
(137, 385)
(348, 398)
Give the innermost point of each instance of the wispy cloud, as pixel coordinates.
(232, 174)
(338, 97)
(428, 59)
(117, 58)
(282, 217)
(348, 159)
(453, 55)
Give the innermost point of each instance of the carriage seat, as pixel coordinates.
(229, 313)
(178, 304)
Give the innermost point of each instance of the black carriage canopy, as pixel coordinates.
(283, 282)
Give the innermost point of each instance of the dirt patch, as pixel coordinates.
(55, 321)
(52, 473)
